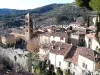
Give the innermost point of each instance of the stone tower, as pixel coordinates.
(28, 27)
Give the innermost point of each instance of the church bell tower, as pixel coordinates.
(28, 27)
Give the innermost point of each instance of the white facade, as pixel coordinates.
(57, 39)
(94, 20)
(94, 43)
(58, 61)
(89, 64)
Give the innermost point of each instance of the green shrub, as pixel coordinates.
(38, 71)
(66, 73)
(59, 71)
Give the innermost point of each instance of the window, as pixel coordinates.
(89, 43)
(31, 30)
(89, 40)
(26, 18)
(26, 24)
(59, 63)
(83, 65)
(69, 64)
(61, 38)
(86, 66)
(82, 40)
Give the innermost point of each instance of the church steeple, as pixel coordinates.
(28, 27)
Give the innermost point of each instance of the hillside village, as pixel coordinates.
(72, 48)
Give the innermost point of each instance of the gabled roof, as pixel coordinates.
(87, 52)
(61, 48)
(71, 53)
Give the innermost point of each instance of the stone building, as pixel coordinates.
(28, 27)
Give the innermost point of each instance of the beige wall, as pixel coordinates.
(97, 66)
(5, 40)
(18, 36)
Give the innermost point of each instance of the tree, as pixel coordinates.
(33, 58)
(95, 4)
(79, 3)
(83, 3)
(59, 71)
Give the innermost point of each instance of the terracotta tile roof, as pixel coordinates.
(67, 50)
(59, 34)
(83, 51)
(71, 53)
(75, 57)
(61, 48)
(87, 52)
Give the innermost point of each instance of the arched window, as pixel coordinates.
(26, 24)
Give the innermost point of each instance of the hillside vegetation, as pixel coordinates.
(46, 15)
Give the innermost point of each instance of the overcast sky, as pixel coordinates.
(29, 4)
